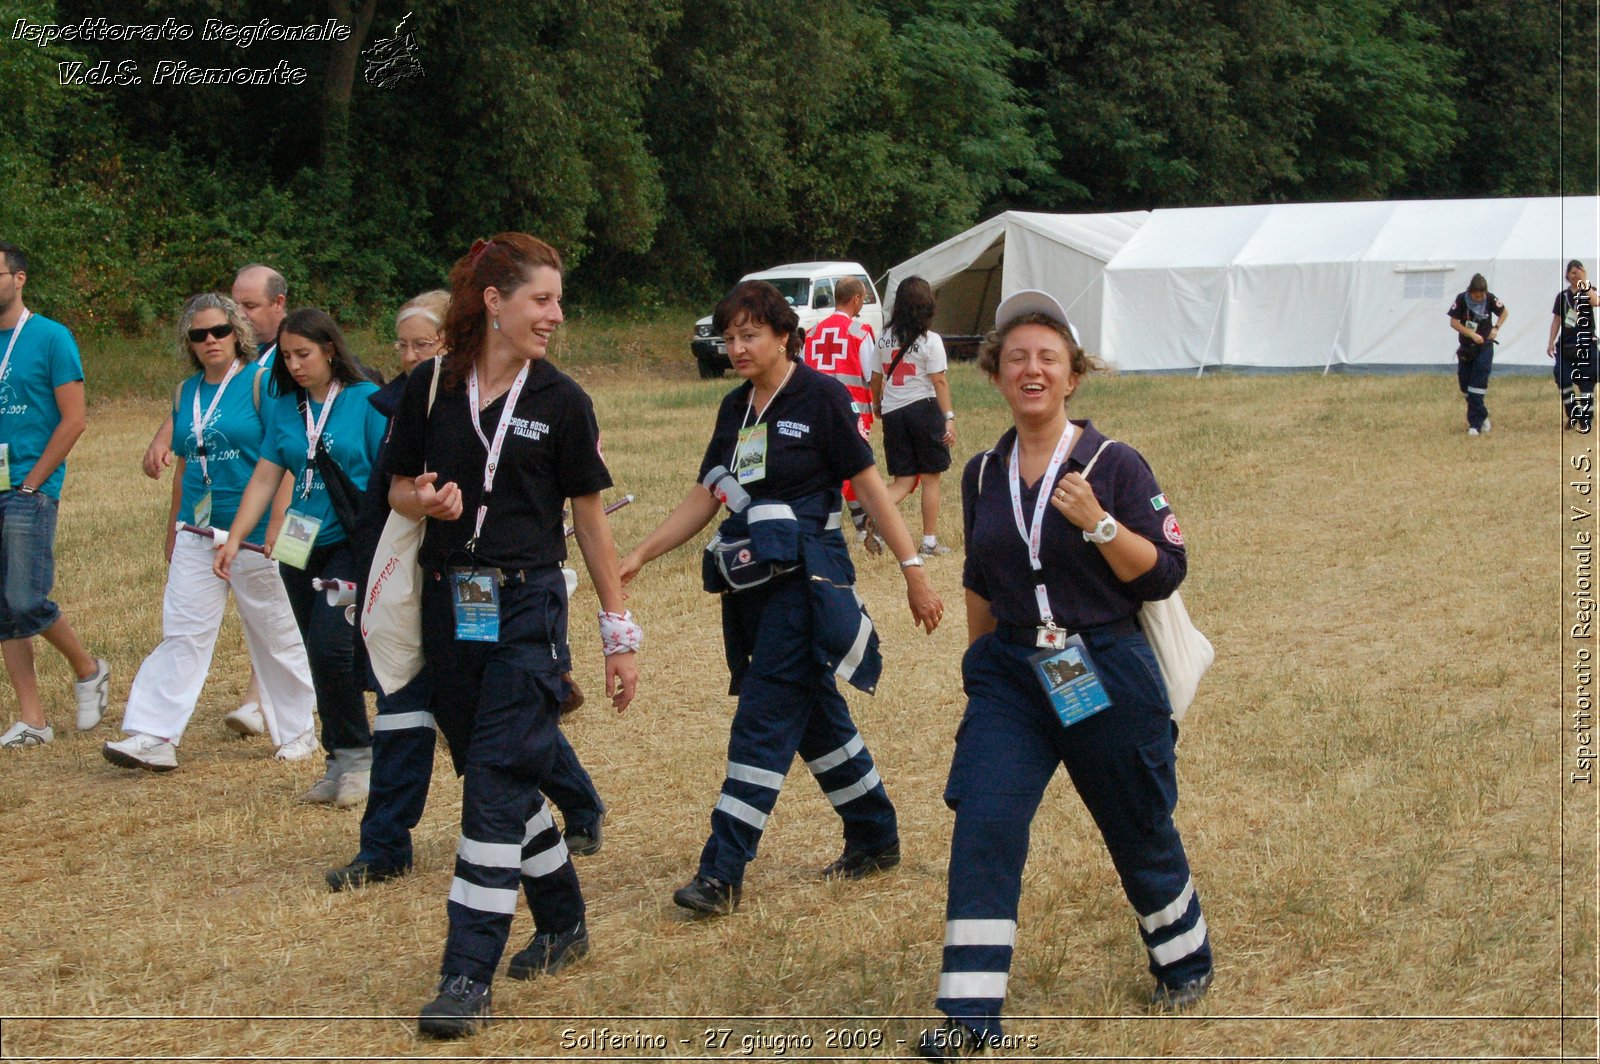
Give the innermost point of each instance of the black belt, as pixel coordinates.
(1033, 635)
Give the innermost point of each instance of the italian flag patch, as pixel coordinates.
(1159, 502)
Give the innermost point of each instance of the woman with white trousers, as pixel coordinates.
(217, 439)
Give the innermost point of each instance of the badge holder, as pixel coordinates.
(475, 594)
(1069, 681)
(5, 467)
(202, 510)
(751, 464)
(295, 540)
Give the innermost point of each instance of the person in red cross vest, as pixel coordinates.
(845, 348)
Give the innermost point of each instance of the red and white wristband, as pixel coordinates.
(619, 634)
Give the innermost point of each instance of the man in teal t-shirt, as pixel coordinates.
(41, 416)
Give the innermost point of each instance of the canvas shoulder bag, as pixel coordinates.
(391, 614)
(1181, 649)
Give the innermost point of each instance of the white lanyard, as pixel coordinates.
(314, 431)
(750, 404)
(201, 421)
(5, 363)
(499, 440)
(1046, 486)
(261, 359)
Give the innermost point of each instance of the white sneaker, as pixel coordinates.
(93, 695)
(1471, 431)
(246, 721)
(933, 550)
(19, 735)
(326, 789)
(1486, 425)
(300, 748)
(143, 751)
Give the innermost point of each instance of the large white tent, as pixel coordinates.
(1065, 254)
(1326, 285)
(1292, 286)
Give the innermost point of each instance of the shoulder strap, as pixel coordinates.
(177, 396)
(983, 467)
(1104, 444)
(433, 383)
(255, 389)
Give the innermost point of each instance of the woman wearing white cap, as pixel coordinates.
(1067, 535)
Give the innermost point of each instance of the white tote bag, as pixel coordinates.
(1181, 649)
(391, 615)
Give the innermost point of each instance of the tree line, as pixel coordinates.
(666, 146)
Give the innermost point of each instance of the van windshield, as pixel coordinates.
(797, 290)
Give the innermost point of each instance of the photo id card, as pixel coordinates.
(752, 463)
(5, 467)
(202, 511)
(1068, 678)
(476, 596)
(296, 538)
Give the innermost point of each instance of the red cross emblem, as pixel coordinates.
(829, 349)
(903, 372)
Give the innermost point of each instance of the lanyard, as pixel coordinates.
(314, 431)
(201, 421)
(1032, 536)
(750, 404)
(494, 447)
(261, 358)
(5, 363)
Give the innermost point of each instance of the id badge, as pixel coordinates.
(5, 467)
(475, 593)
(295, 541)
(1068, 678)
(1570, 318)
(202, 511)
(752, 463)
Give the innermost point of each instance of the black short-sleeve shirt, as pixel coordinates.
(814, 439)
(551, 453)
(1578, 305)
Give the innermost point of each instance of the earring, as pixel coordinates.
(495, 325)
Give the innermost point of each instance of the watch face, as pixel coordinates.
(1107, 528)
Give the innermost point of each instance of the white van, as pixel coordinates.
(808, 286)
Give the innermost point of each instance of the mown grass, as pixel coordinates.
(1371, 776)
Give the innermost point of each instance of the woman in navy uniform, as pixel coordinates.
(1052, 555)
(509, 440)
(791, 620)
(1477, 316)
(1572, 346)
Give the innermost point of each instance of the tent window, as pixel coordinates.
(1425, 285)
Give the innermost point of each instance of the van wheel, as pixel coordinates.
(708, 371)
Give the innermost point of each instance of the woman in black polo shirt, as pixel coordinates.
(509, 440)
(791, 621)
(1058, 672)
(1572, 346)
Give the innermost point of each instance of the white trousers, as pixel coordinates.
(168, 686)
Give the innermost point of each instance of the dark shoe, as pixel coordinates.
(1177, 998)
(707, 895)
(584, 838)
(359, 873)
(856, 864)
(953, 1041)
(461, 1008)
(548, 954)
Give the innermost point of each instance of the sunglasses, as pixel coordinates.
(198, 336)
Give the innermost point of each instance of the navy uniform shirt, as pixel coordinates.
(814, 440)
(1574, 308)
(1083, 590)
(551, 454)
(1461, 311)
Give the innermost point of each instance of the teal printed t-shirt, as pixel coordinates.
(353, 433)
(45, 357)
(232, 441)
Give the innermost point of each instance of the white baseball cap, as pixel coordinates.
(1032, 301)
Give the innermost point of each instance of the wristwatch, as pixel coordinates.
(1104, 532)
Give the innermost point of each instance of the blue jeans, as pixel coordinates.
(27, 564)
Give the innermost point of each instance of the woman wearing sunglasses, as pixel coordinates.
(322, 430)
(217, 419)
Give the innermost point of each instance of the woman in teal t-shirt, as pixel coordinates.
(218, 429)
(318, 408)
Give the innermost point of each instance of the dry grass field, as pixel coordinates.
(1372, 778)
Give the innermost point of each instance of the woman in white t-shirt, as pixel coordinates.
(913, 399)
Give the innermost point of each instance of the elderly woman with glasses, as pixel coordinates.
(218, 428)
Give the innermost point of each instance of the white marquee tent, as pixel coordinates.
(1293, 286)
(1064, 254)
